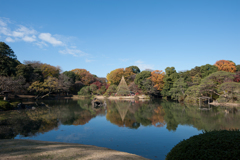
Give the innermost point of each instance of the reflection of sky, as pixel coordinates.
(147, 141)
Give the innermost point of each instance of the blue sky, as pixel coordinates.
(102, 35)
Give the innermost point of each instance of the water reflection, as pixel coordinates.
(130, 114)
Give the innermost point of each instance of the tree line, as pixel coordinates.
(219, 81)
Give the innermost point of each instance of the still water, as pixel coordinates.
(149, 129)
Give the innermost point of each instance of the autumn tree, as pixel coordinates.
(15, 85)
(237, 77)
(49, 70)
(114, 77)
(84, 76)
(157, 79)
(227, 66)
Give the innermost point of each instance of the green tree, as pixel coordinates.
(85, 91)
(134, 69)
(208, 69)
(230, 92)
(71, 75)
(111, 90)
(210, 84)
(142, 77)
(93, 88)
(178, 90)
(192, 94)
(170, 77)
(8, 60)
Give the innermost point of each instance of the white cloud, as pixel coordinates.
(48, 38)
(5, 31)
(29, 39)
(41, 44)
(124, 60)
(143, 66)
(2, 23)
(9, 39)
(89, 60)
(74, 52)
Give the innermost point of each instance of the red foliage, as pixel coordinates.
(237, 77)
(98, 84)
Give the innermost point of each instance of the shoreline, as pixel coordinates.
(32, 149)
(225, 104)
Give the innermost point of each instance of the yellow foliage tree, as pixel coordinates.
(84, 76)
(224, 65)
(157, 79)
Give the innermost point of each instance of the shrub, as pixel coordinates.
(210, 145)
(4, 105)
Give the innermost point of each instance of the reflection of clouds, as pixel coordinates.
(71, 137)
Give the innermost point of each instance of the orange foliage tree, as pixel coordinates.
(84, 76)
(115, 76)
(157, 79)
(224, 65)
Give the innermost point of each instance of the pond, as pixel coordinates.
(149, 129)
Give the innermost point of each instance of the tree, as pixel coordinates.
(148, 87)
(29, 73)
(196, 80)
(178, 90)
(211, 83)
(238, 67)
(84, 76)
(85, 91)
(157, 79)
(112, 89)
(134, 69)
(227, 66)
(71, 75)
(170, 77)
(8, 60)
(114, 77)
(48, 70)
(49, 86)
(230, 92)
(207, 70)
(15, 85)
(237, 77)
(64, 83)
(93, 88)
(142, 77)
(192, 94)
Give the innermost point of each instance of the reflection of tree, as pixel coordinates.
(119, 113)
(214, 119)
(44, 119)
(158, 117)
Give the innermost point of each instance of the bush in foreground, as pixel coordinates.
(210, 145)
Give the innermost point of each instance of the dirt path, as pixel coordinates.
(41, 150)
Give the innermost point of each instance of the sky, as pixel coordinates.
(103, 35)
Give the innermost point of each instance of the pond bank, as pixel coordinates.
(32, 149)
(225, 104)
